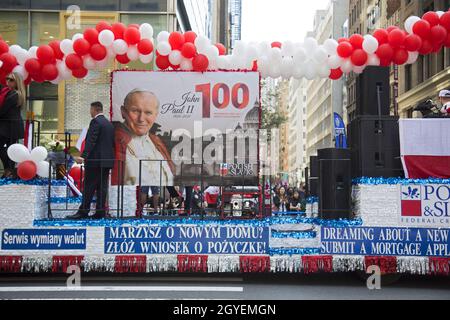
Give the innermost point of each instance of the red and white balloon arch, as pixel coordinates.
(96, 47)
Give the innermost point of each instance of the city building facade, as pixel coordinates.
(324, 96)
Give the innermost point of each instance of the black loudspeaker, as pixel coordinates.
(368, 83)
(314, 177)
(335, 184)
(375, 145)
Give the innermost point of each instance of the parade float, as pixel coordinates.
(400, 225)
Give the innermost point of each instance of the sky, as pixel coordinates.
(278, 20)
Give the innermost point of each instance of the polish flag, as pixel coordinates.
(425, 148)
(28, 137)
(82, 140)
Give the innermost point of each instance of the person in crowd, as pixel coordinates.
(12, 100)
(302, 191)
(295, 202)
(280, 200)
(212, 199)
(98, 158)
(444, 98)
(290, 192)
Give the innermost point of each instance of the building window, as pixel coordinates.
(408, 77)
(420, 71)
(143, 5)
(44, 27)
(47, 4)
(44, 104)
(104, 5)
(16, 4)
(14, 28)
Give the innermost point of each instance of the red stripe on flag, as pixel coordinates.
(424, 167)
(11, 264)
(314, 264)
(440, 266)
(253, 264)
(387, 265)
(192, 263)
(130, 264)
(61, 263)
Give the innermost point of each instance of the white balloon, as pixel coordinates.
(287, 65)
(298, 72)
(212, 53)
(1, 64)
(164, 48)
(39, 154)
(370, 44)
(88, 62)
(133, 53)
(64, 72)
(274, 71)
(186, 64)
(323, 71)
(373, 60)
(263, 48)
(222, 62)
(66, 46)
(106, 38)
(310, 45)
(440, 13)
(43, 169)
(57, 80)
(146, 31)
(175, 57)
(146, 59)
(21, 70)
(409, 23)
(412, 57)
(275, 55)
(163, 36)
(347, 66)
(287, 49)
(202, 43)
(334, 61)
(263, 64)
(320, 55)
(300, 55)
(22, 56)
(310, 70)
(212, 65)
(18, 153)
(32, 51)
(120, 46)
(99, 65)
(14, 49)
(359, 70)
(330, 46)
(77, 36)
(110, 53)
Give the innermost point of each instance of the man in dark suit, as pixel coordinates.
(98, 157)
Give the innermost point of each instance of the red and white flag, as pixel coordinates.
(82, 140)
(425, 148)
(28, 137)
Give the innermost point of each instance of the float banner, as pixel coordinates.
(368, 241)
(340, 136)
(167, 124)
(425, 205)
(44, 239)
(241, 240)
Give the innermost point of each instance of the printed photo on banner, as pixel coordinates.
(173, 128)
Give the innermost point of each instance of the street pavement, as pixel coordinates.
(260, 287)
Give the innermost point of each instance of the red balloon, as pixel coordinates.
(357, 41)
(391, 28)
(26, 170)
(447, 41)
(359, 57)
(118, 29)
(222, 49)
(438, 34)
(56, 49)
(162, 62)
(3, 47)
(396, 38)
(175, 67)
(176, 40)
(427, 47)
(91, 35)
(75, 173)
(445, 21)
(276, 44)
(133, 25)
(190, 36)
(200, 63)
(345, 49)
(188, 50)
(437, 47)
(49, 72)
(385, 52)
(132, 35)
(103, 25)
(255, 66)
(422, 28)
(98, 52)
(45, 54)
(413, 42)
(432, 18)
(382, 36)
(81, 46)
(400, 56)
(27, 81)
(336, 74)
(340, 40)
(123, 58)
(74, 61)
(385, 62)
(33, 66)
(38, 78)
(9, 61)
(145, 46)
(80, 73)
